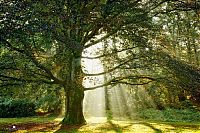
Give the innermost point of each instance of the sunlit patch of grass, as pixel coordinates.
(176, 127)
(111, 126)
(138, 127)
(21, 131)
(58, 119)
(119, 127)
(35, 119)
(96, 120)
(173, 120)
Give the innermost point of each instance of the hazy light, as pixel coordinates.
(123, 103)
(94, 100)
(119, 105)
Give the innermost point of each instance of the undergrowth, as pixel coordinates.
(170, 115)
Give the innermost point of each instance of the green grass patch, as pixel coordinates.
(170, 115)
(34, 119)
(154, 121)
(30, 124)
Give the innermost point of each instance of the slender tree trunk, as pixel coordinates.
(195, 51)
(188, 44)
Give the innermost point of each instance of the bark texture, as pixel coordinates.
(74, 92)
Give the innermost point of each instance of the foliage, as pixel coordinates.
(180, 85)
(47, 98)
(176, 55)
(49, 102)
(16, 108)
(170, 115)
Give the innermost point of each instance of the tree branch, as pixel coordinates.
(111, 53)
(9, 79)
(118, 80)
(12, 84)
(110, 70)
(12, 47)
(34, 60)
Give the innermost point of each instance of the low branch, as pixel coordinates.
(31, 56)
(8, 68)
(98, 86)
(103, 55)
(12, 47)
(110, 70)
(118, 80)
(56, 80)
(144, 83)
(12, 84)
(10, 79)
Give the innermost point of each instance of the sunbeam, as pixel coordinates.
(94, 100)
(118, 99)
(121, 102)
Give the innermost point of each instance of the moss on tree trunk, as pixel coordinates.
(74, 92)
(74, 106)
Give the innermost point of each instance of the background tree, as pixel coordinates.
(176, 37)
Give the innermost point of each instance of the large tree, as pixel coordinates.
(42, 41)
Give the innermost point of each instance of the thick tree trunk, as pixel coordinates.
(74, 106)
(74, 93)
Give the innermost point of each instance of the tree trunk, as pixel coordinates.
(74, 92)
(74, 106)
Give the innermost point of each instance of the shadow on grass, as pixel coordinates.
(152, 127)
(52, 125)
(115, 127)
(68, 128)
(108, 127)
(192, 126)
(118, 128)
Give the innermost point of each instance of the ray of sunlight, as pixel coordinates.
(94, 100)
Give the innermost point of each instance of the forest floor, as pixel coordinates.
(95, 125)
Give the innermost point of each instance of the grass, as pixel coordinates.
(29, 124)
(136, 127)
(41, 124)
(154, 121)
(35, 119)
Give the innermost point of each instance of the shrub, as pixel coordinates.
(10, 108)
(49, 103)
